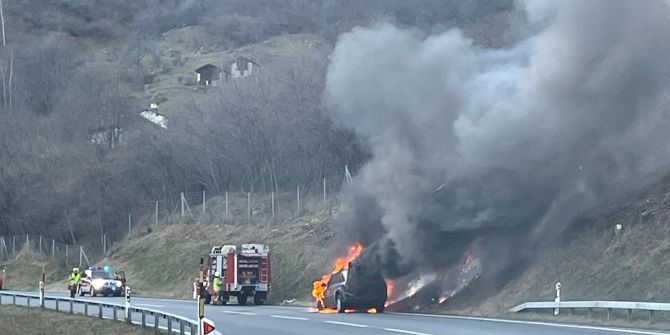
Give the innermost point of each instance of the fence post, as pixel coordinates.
(298, 204)
(248, 207)
(272, 195)
(53, 251)
(182, 204)
(156, 214)
(226, 219)
(204, 203)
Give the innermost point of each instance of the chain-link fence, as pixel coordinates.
(48, 250)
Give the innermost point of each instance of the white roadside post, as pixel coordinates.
(128, 303)
(41, 293)
(558, 297)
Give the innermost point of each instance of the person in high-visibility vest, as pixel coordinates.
(217, 287)
(75, 279)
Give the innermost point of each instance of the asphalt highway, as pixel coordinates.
(262, 320)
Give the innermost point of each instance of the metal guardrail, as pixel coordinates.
(650, 307)
(172, 321)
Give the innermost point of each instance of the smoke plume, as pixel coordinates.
(500, 147)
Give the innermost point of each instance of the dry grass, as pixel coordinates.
(595, 263)
(22, 320)
(25, 271)
(164, 262)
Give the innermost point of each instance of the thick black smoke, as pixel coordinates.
(508, 145)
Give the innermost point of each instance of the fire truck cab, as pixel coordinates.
(244, 273)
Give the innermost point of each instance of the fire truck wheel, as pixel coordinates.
(242, 300)
(258, 301)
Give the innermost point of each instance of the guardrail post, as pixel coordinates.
(169, 324)
(100, 311)
(609, 313)
(651, 317)
(630, 315)
(156, 322)
(28, 301)
(13, 300)
(57, 300)
(182, 329)
(114, 308)
(71, 306)
(194, 329)
(85, 308)
(589, 311)
(144, 318)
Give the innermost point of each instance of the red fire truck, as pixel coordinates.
(244, 273)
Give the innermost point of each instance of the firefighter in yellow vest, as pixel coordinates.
(75, 279)
(217, 287)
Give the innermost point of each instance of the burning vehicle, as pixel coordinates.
(351, 286)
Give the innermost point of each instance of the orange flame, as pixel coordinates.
(342, 263)
(389, 291)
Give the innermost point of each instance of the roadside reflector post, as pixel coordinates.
(128, 304)
(558, 298)
(206, 326)
(42, 294)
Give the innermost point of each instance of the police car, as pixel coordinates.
(100, 280)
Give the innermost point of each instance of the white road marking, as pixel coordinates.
(346, 324)
(537, 323)
(404, 331)
(288, 317)
(149, 305)
(239, 313)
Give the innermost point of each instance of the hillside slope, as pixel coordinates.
(595, 261)
(164, 262)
